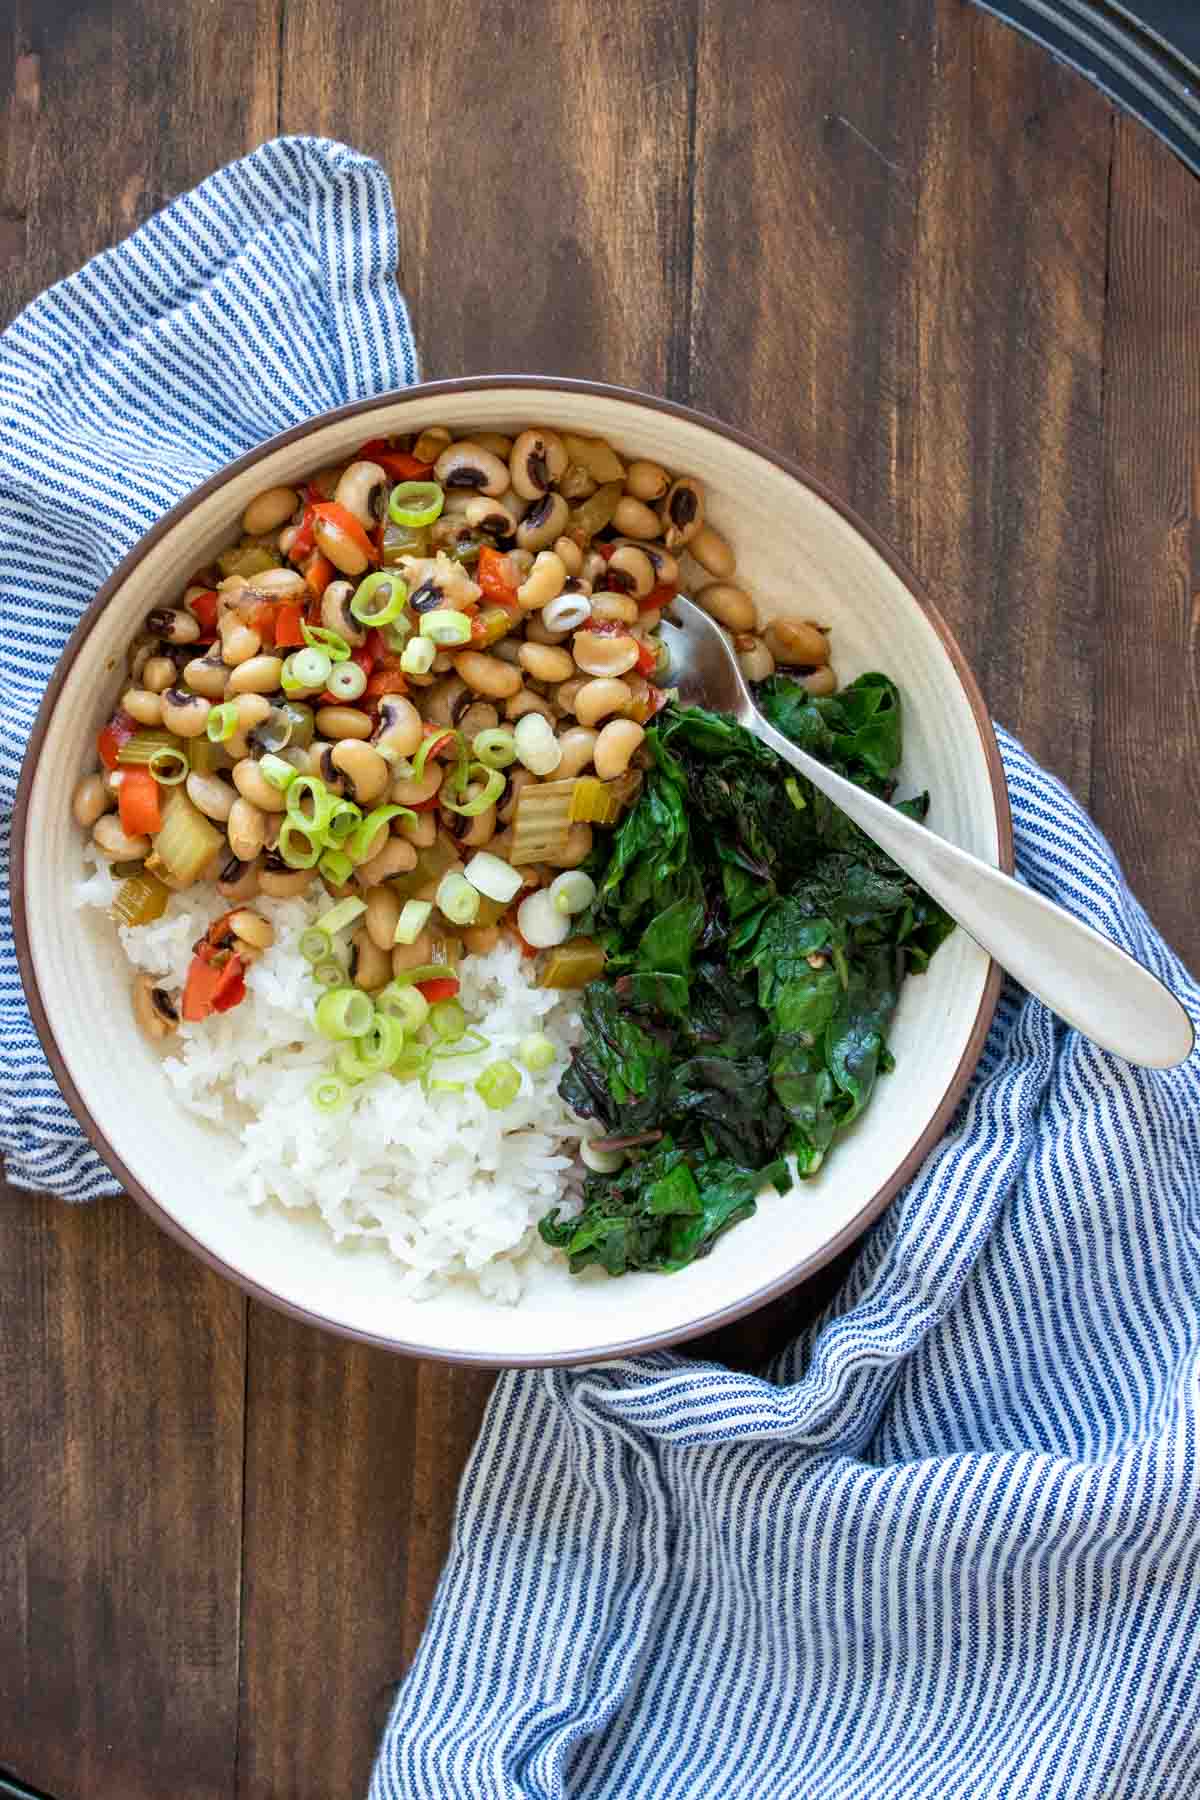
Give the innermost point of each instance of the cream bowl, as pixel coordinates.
(803, 554)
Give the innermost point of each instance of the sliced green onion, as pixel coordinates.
(361, 845)
(448, 1021)
(329, 643)
(458, 899)
(341, 915)
(345, 1012)
(297, 846)
(379, 600)
(416, 503)
(494, 878)
(469, 1044)
(315, 816)
(412, 1060)
(499, 1085)
(425, 972)
(315, 945)
(792, 789)
(336, 867)
(414, 916)
(378, 1048)
(572, 891)
(397, 634)
(536, 1052)
(329, 974)
(344, 817)
(328, 1094)
(436, 739)
(403, 1003)
(280, 774)
(350, 1065)
(495, 747)
(435, 1085)
(446, 627)
(347, 681)
(493, 787)
(221, 722)
(168, 765)
(311, 668)
(417, 656)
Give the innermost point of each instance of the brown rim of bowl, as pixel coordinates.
(792, 1277)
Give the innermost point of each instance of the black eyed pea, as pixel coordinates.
(474, 832)
(362, 489)
(819, 681)
(398, 728)
(575, 483)
(544, 582)
(229, 584)
(649, 620)
(414, 955)
(597, 655)
(257, 675)
(280, 584)
(537, 460)
(596, 456)
(536, 631)
(154, 1009)
(381, 916)
(478, 940)
(495, 441)
(334, 722)
(578, 744)
(527, 702)
(336, 614)
(269, 510)
(634, 519)
(172, 627)
(238, 642)
(796, 643)
(730, 606)
(206, 675)
(508, 649)
(481, 715)
(498, 517)
(341, 546)
(238, 880)
(681, 513)
(108, 836)
(546, 663)
(610, 607)
(283, 884)
(595, 571)
(487, 675)
(646, 481)
(713, 553)
(754, 659)
(569, 555)
(431, 443)
(599, 699)
(252, 928)
(614, 747)
(92, 800)
(569, 692)
(545, 521)
(420, 831)
(577, 848)
(409, 792)
(371, 966)
(446, 701)
(158, 674)
(666, 569)
(253, 785)
(397, 857)
(630, 571)
(518, 779)
(467, 464)
(213, 796)
(364, 772)
(142, 705)
(185, 714)
(252, 710)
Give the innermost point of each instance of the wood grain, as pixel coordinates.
(1146, 789)
(121, 1385)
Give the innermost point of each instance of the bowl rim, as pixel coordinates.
(724, 1316)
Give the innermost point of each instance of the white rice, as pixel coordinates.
(452, 1189)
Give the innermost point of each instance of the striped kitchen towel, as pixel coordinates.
(264, 296)
(948, 1545)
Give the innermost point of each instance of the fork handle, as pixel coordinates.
(1081, 975)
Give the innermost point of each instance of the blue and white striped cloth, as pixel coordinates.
(949, 1545)
(264, 296)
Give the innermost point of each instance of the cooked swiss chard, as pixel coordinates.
(756, 945)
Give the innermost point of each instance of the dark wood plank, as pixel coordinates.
(121, 1391)
(352, 1462)
(1146, 788)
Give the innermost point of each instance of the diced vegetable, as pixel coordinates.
(438, 987)
(540, 922)
(536, 745)
(499, 1085)
(140, 900)
(344, 1012)
(138, 804)
(203, 608)
(138, 750)
(493, 877)
(573, 965)
(593, 801)
(186, 843)
(537, 1052)
(541, 821)
(497, 575)
(115, 735)
(289, 622)
(247, 559)
(342, 519)
(416, 503)
(214, 984)
(457, 898)
(414, 916)
(572, 891)
(490, 624)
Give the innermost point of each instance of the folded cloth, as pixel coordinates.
(264, 296)
(948, 1545)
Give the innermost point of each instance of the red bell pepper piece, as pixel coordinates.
(369, 452)
(647, 661)
(118, 731)
(494, 573)
(441, 987)
(318, 572)
(212, 986)
(204, 608)
(385, 681)
(607, 551)
(303, 543)
(659, 597)
(402, 467)
(289, 621)
(344, 520)
(137, 803)
(233, 986)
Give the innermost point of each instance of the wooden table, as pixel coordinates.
(890, 237)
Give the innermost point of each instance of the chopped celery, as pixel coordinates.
(541, 821)
(186, 843)
(593, 801)
(248, 558)
(144, 745)
(573, 964)
(139, 901)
